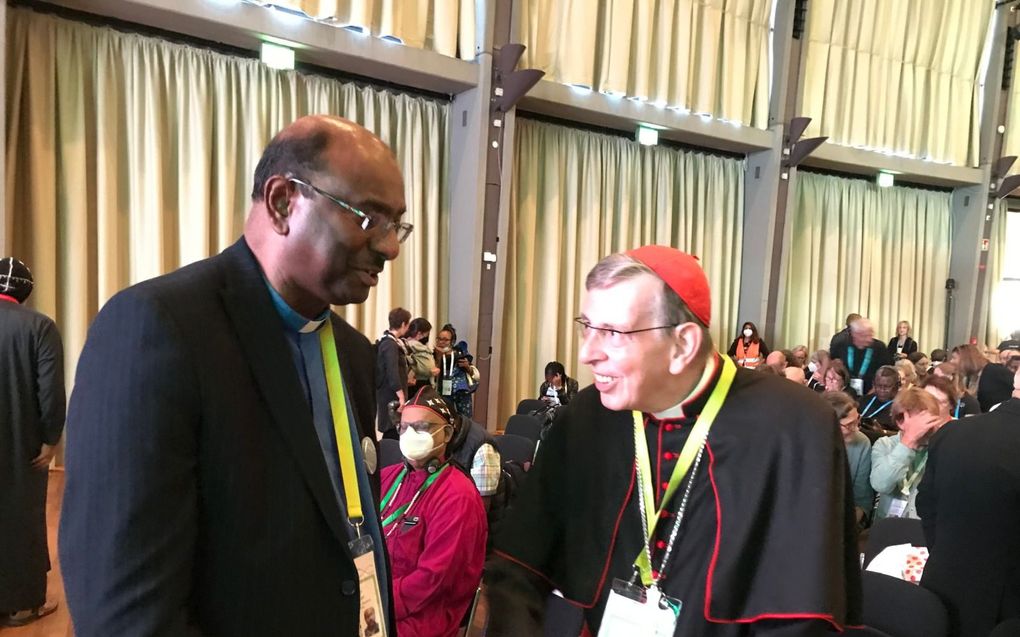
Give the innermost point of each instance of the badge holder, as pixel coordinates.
(371, 619)
(635, 610)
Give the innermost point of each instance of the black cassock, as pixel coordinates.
(31, 413)
(768, 542)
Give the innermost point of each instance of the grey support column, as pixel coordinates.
(766, 186)
(974, 208)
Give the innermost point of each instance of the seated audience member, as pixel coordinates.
(992, 383)
(967, 503)
(841, 338)
(796, 374)
(434, 524)
(897, 462)
(939, 356)
(901, 345)
(945, 393)
(876, 408)
(777, 361)
(799, 356)
(558, 388)
(423, 362)
(458, 378)
(966, 405)
(921, 364)
(1013, 342)
(817, 367)
(858, 453)
(474, 450)
(862, 355)
(748, 349)
(838, 379)
(908, 375)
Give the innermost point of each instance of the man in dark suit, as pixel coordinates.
(221, 475)
(968, 505)
(862, 354)
(31, 421)
(840, 339)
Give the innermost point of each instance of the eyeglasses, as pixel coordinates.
(613, 337)
(368, 221)
(421, 426)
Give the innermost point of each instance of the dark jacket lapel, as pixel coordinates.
(260, 333)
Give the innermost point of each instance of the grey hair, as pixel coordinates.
(620, 267)
(861, 325)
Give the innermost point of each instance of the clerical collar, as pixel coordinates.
(291, 318)
(695, 401)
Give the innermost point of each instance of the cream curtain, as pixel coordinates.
(1002, 290)
(1011, 141)
(578, 196)
(129, 156)
(703, 56)
(897, 75)
(444, 26)
(855, 247)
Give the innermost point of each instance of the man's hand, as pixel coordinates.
(916, 427)
(463, 363)
(46, 453)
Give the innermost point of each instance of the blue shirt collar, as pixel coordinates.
(291, 318)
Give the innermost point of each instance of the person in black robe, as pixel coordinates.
(971, 526)
(766, 543)
(32, 405)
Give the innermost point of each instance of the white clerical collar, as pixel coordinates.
(677, 410)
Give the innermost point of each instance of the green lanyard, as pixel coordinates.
(342, 425)
(395, 487)
(683, 464)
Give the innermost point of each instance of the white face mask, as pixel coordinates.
(812, 367)
(747, 333)
(417, 445)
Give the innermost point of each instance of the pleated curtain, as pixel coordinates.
(444, 26)
(1002, 287)
(130, 156)
(899, 76)
(1011, 139)
(577, 196)
(880, 252)
(702, 56)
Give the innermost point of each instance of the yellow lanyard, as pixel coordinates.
(341, 424)
(683, 464)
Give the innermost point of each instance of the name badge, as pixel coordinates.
(897, 507)
(371, 619)
(633, 610)
(858, 385)
(447, 388)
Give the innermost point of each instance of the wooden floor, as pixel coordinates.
(54, 625)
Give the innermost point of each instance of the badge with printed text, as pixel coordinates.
(371, 619)
(634, 610)
(897, 507)
(447, 388)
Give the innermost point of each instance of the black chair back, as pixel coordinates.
(890, 532)
(902, 609)
(526, 426)
(514, 447)
(389, 452)
(530, 405)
